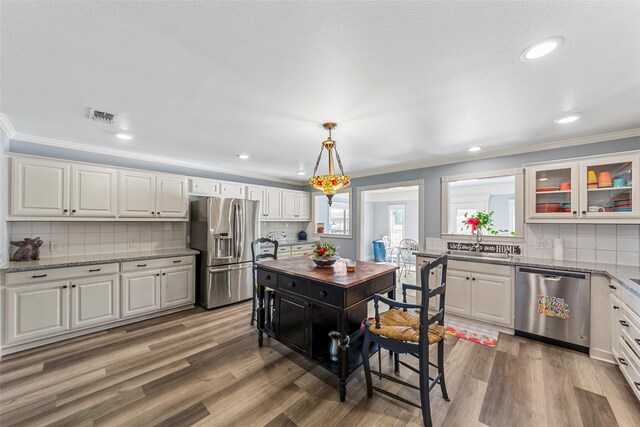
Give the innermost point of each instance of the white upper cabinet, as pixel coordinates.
(296, 205)
(232, 189)
(39, 187)
(204, 187)
(595, 189)
(171, 196)
(257, 194)
(273, 204)
(137, 194)
(93, 191)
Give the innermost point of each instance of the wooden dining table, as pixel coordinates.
(299, 304)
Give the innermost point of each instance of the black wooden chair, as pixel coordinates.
(402, 330)
(256, 257)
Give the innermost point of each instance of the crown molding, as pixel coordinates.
(7, 127)
(52, 142)
(461, 158)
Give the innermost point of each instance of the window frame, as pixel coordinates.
(518, 173)
(390, 209)
(314, 221)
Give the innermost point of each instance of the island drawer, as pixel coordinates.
(39, 276)
(267, 278)
(326, 294)
(293, 284)
(147, 264)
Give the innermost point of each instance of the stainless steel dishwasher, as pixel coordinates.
(553, 306)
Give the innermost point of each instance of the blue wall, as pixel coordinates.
(85, 156)
(432, 175)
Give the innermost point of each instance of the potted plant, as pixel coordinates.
(324, 254)
(482, 221)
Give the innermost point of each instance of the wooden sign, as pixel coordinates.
(491, 248)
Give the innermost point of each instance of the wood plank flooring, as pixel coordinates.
(205, 368)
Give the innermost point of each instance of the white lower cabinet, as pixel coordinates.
(176, 287)
(95, 301)
(488, 295)
(37, 311)
(458, 292)
(475, 290)
(140, 293)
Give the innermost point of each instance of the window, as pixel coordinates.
(334, 220)
(499, 192)
(396, 223)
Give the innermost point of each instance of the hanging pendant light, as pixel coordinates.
(331, 183)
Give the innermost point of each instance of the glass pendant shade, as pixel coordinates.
(331, 183)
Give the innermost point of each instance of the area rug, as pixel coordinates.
(469, 332)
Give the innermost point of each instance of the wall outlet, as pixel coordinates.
(133, 244)
(543, 244)
(54, 247)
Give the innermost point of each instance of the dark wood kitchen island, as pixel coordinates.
(299, 305)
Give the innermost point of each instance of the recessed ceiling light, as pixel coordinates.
(474, 149)
(540, 49)
(124, 136)
(301, 172)
(543, 179)
(567, 119)
(243, 156)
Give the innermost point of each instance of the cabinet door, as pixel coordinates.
(140, 293)
(290, 207)
(176, 287)
(491, 298)
(614, 307)
(93, 191)
(552, 192)
(39, 187)
(205, 187)
(273, 203)
(292, 324)
(137, 194)
(232, 189)
(257, 193)
(458, 292)
(37, 311)
(304, 203)
(171, 197)
(607, 191)
(95, 301)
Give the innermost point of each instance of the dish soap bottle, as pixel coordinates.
(302, 235)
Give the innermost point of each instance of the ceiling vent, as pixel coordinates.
(101, 116)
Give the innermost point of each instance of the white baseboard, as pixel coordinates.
(602, 355)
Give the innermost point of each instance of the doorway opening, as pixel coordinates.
(391, 212)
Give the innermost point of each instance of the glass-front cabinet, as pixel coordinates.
(594, 189)
(552, 190)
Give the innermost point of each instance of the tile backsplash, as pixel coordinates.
(89, 238)
(604, 243)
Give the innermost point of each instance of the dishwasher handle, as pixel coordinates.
(550, 277)
(548, 274)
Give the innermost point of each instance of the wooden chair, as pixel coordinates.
(257, 257)
(402, 330)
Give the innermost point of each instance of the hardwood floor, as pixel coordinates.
(205, 368)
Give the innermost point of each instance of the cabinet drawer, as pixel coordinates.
(293, 284)
(303, 248)
(267, 278)
(156, 263)
(630, 328)
(630, 367)
(326, 294)
(39, 276)
(283, 249)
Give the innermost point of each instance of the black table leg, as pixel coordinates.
(261, 314)
(343, 355)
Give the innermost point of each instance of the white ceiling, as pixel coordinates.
(408, 83)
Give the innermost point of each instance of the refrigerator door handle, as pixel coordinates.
(240, 235)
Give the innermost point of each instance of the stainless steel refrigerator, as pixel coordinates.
(222, 229)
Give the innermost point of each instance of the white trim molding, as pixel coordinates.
(7, 127)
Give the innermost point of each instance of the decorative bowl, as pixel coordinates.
(323, 262)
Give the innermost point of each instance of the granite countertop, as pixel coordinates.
(621, 273)
(78, 260)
